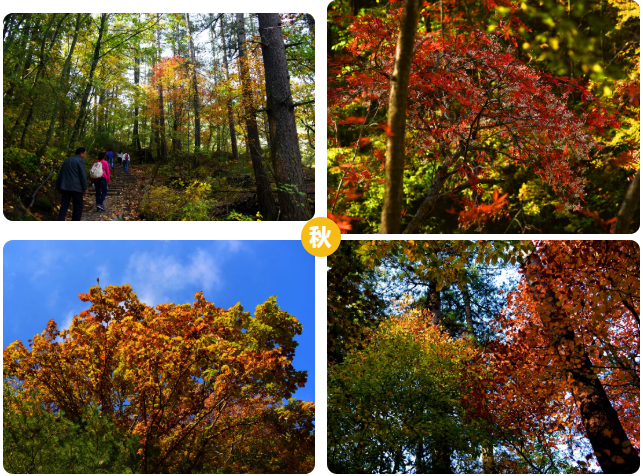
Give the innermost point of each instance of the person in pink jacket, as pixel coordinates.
(101, 184)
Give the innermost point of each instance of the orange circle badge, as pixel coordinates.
(321, 236)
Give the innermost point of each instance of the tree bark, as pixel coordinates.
(137, 75)
(488, 460)
(311, 25)
(631, 200)
(162, 148)
(432, 196)
(88, 88)
(602, 425)
(195, 88)
(233, 134)
(289, 173)
(267, 203)
(434, 303)
(466, 297)
(395, 143)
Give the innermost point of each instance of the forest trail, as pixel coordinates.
(121, 203)
(177, 88)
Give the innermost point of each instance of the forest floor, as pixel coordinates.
(123, 198)
(210, 191)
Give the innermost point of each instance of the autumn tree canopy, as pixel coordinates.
(542, 378)
(192, 387)
(485, 124)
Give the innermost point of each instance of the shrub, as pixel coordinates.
(191, 204)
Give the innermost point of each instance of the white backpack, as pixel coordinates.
(97, 171)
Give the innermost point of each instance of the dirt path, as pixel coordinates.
(118, 193)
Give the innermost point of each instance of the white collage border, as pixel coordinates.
(239, 230)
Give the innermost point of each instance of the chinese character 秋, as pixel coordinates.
(318, 238)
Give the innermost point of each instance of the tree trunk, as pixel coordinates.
(392, 209)
(267, 203)
(419, 458)
(434, 303)
(311, 26)
(628, 206)
(195, 88)
(289, 173)
(88, 88)
(162, 152)
(137, 75)
(62, 88)
(466, 297)
(40, 71)
(602, 425)
(432, 196)
(233, 134)
(488, 460)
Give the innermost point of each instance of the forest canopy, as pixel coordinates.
(495, 117)
(128, 388)
(484, 357)
(213, 109)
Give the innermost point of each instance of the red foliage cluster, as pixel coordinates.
(575, 315)
(469, 97)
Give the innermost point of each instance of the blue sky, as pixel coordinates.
(42, 280)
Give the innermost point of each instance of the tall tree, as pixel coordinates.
(62, 86)
(195, 87)
(289, 174)
(137, 74)
(45, 45)
(200, 388)
(83, 103)
(233, 134)
(162, 151)
(611, 444)
(267, 204)
(396, 122)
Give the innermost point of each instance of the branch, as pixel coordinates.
(303, 103)
(467, 184)
(630, 308)
(131, 36)
(33, 197)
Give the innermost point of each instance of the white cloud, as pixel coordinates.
(46, 261)
(153, 275)
(234, 246)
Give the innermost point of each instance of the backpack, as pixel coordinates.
(126, 157)
(97, 171)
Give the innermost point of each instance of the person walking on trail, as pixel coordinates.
(110, 159)
(100, 178)
(126, 162)
(72, 183)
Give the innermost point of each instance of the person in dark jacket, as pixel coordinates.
(72, 183)
(110, 158)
